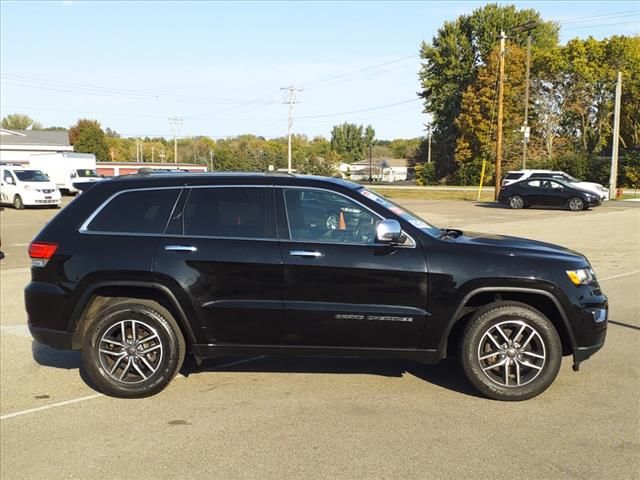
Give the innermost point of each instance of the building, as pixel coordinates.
(380, 169)
(16, 146)
(111, 169)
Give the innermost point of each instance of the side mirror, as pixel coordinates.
(9, 180)
(389, 231)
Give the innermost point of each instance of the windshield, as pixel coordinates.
(402, 212)
(86, 172)
(31, 176)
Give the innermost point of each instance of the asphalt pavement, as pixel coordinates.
(318, 418)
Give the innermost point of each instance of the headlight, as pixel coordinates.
(583, 276)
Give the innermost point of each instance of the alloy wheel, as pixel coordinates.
(511, 353)
(130, 351)
(576, 204)
(516, 202)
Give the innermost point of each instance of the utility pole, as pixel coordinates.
(522, 28)
(525, 129)
(175, 123)
(137, 150)
(370, 164)
(429, 152)
(291, 99)
(211, 159)
(500, 108)
(613, 180)
(153, 153)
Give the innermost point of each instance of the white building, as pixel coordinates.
(16, 146)
(380, 169)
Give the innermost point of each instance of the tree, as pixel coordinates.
(87, 136)
(477, 118)
(453, 59)
(17, 121)
(349, 140)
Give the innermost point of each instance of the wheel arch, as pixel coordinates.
(103, 293)
(544, 301)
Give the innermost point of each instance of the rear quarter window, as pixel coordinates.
(141, 211)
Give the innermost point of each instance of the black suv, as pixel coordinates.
(140, 270)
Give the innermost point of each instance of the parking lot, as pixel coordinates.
(267, 417)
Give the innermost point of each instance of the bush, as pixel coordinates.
(425, 173)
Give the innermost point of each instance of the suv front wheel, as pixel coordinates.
(133, 349)
(510, 351)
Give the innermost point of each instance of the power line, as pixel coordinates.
(596, 25)
(360, 70)
(601, 17)
(110, 91)
(378, 107)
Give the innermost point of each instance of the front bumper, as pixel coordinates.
(35, 198)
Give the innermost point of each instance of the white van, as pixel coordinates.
(23, 186)
(66, 168)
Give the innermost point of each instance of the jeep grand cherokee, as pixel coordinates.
(141, 270)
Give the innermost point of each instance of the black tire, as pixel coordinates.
(522, 375)
(516, 202)
(155, 325)
(576, 204)
(18, 204)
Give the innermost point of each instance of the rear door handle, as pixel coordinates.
(180, 248)
(305, 253)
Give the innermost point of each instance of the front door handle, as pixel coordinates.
(180, 248)
(305, 253)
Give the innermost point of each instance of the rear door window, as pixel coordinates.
(513, 176)
(139, 211)
(230, 212)
(534, 183)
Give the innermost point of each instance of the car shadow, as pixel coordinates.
(447, 374)
(47, 356)
(491, 205)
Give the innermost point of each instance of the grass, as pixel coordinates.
(414, 194)
(627, 196)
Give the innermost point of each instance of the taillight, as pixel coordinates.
(41, 252)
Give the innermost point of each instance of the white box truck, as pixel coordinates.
(66, 168)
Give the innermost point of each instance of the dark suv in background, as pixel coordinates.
(141, 270)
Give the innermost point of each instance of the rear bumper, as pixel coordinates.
(54, 338)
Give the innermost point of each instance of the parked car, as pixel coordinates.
(519, 175)
(546, 192)
(25, 187)
(141, 270)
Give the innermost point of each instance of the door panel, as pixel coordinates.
(343, 290)
(228, 261)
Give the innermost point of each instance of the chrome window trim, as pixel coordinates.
(83, 228)
(376, 214)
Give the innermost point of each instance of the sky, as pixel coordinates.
(219, 66)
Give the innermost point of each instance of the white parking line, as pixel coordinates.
(98, 395)
(51, 405)
(621, 275)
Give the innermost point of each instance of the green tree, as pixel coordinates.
(87, 136)
(452, 60)
(18, 121)
(349, 140)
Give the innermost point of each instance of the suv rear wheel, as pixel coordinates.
(510, 351)
(133, 349)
